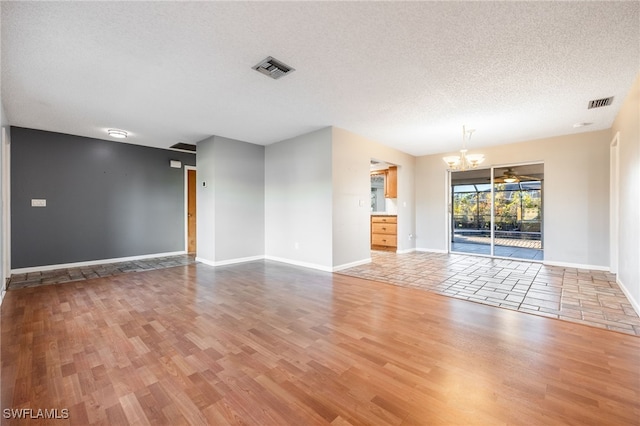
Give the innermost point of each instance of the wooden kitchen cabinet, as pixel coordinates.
(384, 232)
(391, 183)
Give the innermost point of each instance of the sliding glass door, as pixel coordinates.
(498, 211)
(471, 211)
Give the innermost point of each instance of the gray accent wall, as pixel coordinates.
(231, 205)
(104, 199)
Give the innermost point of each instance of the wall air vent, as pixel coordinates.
(273, 68)
(184, 147)
(597, 103)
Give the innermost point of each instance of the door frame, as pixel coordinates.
(186, 206)
(492, 169)
(6, 208)
(614, 202)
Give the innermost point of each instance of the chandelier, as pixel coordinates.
(464, 161)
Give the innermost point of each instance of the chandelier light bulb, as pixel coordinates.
(464, 161)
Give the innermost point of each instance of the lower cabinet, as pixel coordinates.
(384, 232)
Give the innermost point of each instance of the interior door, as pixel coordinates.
(191, 211)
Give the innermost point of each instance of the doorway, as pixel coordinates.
(384, 206)
(190, 226)
(498, 212)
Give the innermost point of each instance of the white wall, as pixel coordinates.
(239, 204)
(317, 198)
(627, 123)
(298, 200)
(576, 196)
(352, 155)
(431, 202)
(205, 201)
(230, 208)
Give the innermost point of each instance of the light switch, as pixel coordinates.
(35, 202)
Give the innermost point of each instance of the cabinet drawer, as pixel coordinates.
(384, 219)
(384, 228)
(383, 240)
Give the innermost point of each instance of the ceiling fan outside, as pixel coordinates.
(511, 176)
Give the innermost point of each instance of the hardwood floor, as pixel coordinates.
(264, 343)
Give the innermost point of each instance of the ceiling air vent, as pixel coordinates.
(273, 68)
(184, 147)
(597, 103)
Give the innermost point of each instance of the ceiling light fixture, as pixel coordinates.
(120, 134)
(464, 161)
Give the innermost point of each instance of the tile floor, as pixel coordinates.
(577, 295)
(58, 276)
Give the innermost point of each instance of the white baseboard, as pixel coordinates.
(576, 265)
(205, 261)
(228, 262)
(634, 303)
(411, 250)
(351, 265)
(94, 262)
(2, 296)
(298, 263)
(426, 250)
(283, 260)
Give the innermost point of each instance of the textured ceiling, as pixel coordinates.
(408, 75)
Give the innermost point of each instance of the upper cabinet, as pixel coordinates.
(390, 177)
(391, 183)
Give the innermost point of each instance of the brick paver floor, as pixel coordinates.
(577, 295)
(64, 275)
